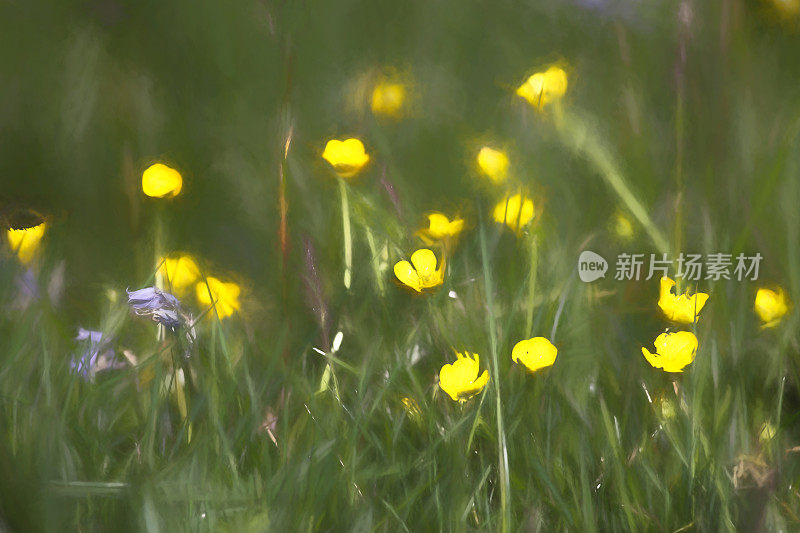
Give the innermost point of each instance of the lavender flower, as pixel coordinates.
(160, 306)
(96, 357)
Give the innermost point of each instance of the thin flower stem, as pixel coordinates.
(158, 249)
(532, 268)
(376, 260)
(679, 122)
(502, 450)
(559, 310)
(584, 140)
(348, 238)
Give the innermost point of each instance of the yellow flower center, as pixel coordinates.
(421, 273)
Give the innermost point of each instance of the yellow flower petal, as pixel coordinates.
(555, 82)
(544, 87)
(421, 273)
(535, 353)
(161, 181)
(460, 379)
(25, 242)
(388, 99)
(424, 261)
(407, 275)
(179, 272)
(514, 211)
(224, 296)
(771, 306)
(684, 309)
(532, 91)
(493, 163)
(674, 351)
(347, 157)
(440, 228)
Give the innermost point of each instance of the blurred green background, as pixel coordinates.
(695, 103)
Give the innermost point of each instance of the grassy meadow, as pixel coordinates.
(288, 372)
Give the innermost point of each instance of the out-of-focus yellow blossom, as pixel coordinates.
(514, 211)
(684, 308)
(347, 157)
(440, 228)
(224, 295)
(179, 272)
(161, 181)
(461, 380)
(535, 353)
(25, 242)
(421, 273)
(623, 227)
(493, 163)
(412, 409)
(767, 433)
(545, 87)
(786, 8)
(673, 351)
(388, 99)
(665, 407)
(771, 306)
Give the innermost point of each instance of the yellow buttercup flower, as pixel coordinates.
(535, 353)
(388, 99)
(347, 157)
(771, 306)
(493, 163)
(440, 228)
(673, 351)
(421, 273)
(25, 242)
(161, 181)
(179, 272)
(514, 211)
(623, 227)
(224, 295)
(684, 308)
(461, 380)
(544, 87)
